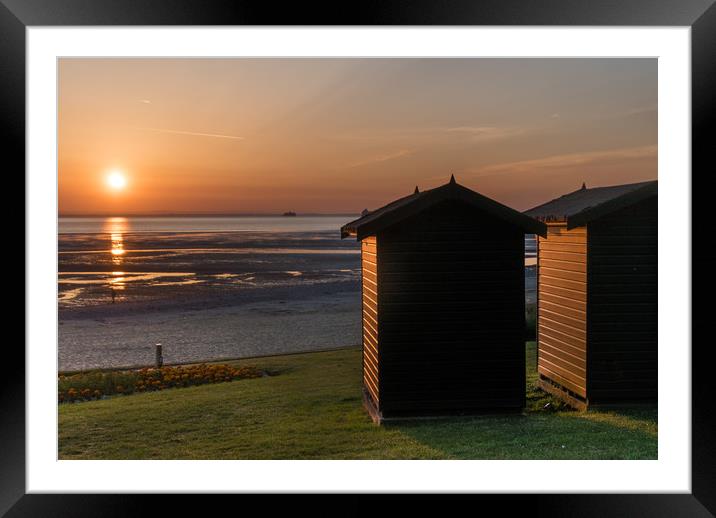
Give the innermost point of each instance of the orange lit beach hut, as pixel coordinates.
(443, 304)
(597, 294)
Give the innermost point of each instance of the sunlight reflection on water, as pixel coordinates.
(115, 227)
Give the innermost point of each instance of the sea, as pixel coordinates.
(122, 259)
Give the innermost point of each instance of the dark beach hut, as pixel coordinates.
(443, 304)
(597, 294)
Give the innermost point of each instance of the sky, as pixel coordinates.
(340, 135)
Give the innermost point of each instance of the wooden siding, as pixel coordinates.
(562, 307)
(369, 260)
(622, 302)
(451, 313)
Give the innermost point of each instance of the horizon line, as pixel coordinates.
(199, 214)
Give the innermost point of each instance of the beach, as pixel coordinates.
(207, 288)
(277, 321)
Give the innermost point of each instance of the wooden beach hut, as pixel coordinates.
(443, 304)
(597, 294)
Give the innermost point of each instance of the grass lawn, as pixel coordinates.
(312, 409)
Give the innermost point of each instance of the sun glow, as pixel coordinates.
(116, 180)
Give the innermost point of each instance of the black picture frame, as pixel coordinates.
(700, 15)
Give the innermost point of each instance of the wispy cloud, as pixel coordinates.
(469, 132)
(145, 101)
(633, 112)
(570, 160)
(640, 111)
(382, 158)
(193, 133)
(484, 132)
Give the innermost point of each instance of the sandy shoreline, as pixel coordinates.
(194, 328)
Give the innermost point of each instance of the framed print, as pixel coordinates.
(396, 249)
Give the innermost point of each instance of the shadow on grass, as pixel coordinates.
(627, 434)
(547, 429)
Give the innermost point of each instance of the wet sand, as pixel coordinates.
(204, 295)
(192, 328)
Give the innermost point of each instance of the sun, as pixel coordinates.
(116, 180)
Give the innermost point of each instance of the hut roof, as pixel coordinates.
(402, 208)
(584, 205)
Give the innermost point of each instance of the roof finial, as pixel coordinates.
(584, 185)
(417, 191)
(365, 212)
(452, 179)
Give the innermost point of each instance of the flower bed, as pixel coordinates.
(97, 384)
